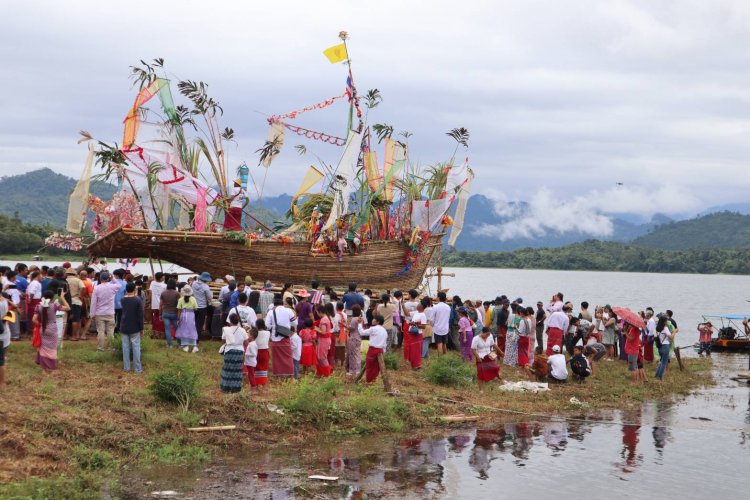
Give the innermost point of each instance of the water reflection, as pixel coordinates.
(630, 458)
(478, 463)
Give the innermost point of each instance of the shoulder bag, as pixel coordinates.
(280, 330)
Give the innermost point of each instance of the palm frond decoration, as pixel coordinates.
(383, 131)
(460, 135)
(301, 149)
(85, 136)
(436, 177)
(269, 150)
(373, 98)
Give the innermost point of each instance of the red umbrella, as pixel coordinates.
(629, 317)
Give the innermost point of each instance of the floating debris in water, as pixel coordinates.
(164, 494)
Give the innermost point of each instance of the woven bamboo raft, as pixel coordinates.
(378, 266)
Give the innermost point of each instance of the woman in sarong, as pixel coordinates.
(354, 343)
(45, 315)
(465, 333)
(414, 337)
(510, 356)
(324, 331)
(235, 339)
(485, 355)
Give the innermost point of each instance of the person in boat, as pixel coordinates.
(237, 202)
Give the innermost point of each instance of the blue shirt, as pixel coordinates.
(21, 283)
(120, 294)
(45, 284)
(234, 299)
(351, 298)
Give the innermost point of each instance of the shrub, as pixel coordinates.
(312, 401)
(449, 370)
(91, 459)
(373, 410)
(391, 361)
(176, 385)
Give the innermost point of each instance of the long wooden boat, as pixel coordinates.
(379, 266)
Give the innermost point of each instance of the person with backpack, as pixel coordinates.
(579, 365)
(662, 340)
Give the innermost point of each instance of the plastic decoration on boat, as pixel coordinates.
(133, 120)
(123, 210)
(64, 241)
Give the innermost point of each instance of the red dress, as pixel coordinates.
(372, 368)
(308, 347)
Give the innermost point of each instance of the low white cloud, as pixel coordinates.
(558, 212)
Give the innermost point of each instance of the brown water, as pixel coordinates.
(694, 447)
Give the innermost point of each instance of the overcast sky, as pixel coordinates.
(571, 96)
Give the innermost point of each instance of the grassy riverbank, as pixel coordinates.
(70, 434)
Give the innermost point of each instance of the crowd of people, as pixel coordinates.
(295, 332)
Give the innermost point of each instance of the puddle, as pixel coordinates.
(696, 447)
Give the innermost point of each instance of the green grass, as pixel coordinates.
(449, 370)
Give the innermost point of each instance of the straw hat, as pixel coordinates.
(303, 293)
(186, 291)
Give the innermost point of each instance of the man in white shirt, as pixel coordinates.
(282, 362)
(378, 341)
(557, 325)
(556, 304)
(441, 313)
(558, 370)
(238, 200)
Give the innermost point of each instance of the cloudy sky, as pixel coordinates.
(563, 99)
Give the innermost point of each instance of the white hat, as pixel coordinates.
(555, 348)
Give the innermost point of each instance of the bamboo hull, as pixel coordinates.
(378, 267)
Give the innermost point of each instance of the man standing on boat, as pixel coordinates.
(237, 202)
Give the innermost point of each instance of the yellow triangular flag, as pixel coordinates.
(311, 178)
(337, 53)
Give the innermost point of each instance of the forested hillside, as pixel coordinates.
(718, 230)
(41, 196)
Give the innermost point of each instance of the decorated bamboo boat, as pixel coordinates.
(376, 224)
(379, 266)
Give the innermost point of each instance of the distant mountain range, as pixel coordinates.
(41, 197)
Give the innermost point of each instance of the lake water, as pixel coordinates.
(688, 295)
(696, 447)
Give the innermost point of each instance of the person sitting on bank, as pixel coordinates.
(539, 367)
(558, 371)
(579, 365)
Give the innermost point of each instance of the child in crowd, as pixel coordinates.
(539, 367)
(251, 359)
(579, 365)
(308, 337)
(296, 342)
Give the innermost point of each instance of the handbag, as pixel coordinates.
(280, 330)
(492, 355)
(414, 329)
